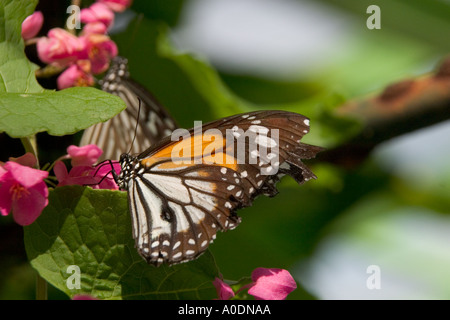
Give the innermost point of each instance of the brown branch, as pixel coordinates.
(48, 71)
(402, 107)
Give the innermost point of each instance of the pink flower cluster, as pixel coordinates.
(24, 192)
(267, 284)
(83, 172)
(83, 55)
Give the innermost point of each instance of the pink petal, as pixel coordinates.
(107, 183)
(94, 27)
(271, 284)
(32, 24)
(105, 168)
(97, 12)
(103, 172)
(68, 78)
(59, 48)
(2, 172)
(29, 206)
(83, 297)
(28, 159)
(117, 5)
(84, 156)
(99, 49)
(79, 175)
(5, 196)
(224, 291)
(60, 171)
(27, 177)
(22, 191)
(74, 76)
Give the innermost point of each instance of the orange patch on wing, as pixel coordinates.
(199, 149)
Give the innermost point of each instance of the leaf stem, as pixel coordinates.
(41, 288)
(29, 144)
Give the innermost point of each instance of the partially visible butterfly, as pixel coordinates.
(178, 204)
(117, 133)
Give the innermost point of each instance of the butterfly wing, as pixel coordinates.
(181, 193)
(116, 134)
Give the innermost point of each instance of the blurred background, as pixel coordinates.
(205, 59)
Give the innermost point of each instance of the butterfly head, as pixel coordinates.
(129, 166)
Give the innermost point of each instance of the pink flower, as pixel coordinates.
(80, 175)
(104, 170)
(97, 12)
(84, 156)
(94, 27)
(77, 75)
(60, 48)
(82, 172)
(83, 297)
(32, 24)
(85, 176)
(99, 49)
(271, 284)
(22, 192)
(224, 291)
(117, 5)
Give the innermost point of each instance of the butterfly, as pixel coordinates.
(153, 123)
(188, 186)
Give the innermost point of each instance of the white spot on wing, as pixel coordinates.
(259, 129)
(265, 141)
(177, 255)
(155, 244)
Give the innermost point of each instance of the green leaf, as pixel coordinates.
(25, 107)
(92, 229)
(16, 71)
(204, 78)
(57, 112)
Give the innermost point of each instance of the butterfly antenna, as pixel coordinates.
(137, 123)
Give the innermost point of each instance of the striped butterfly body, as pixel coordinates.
(154, 122)
(183, 190)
